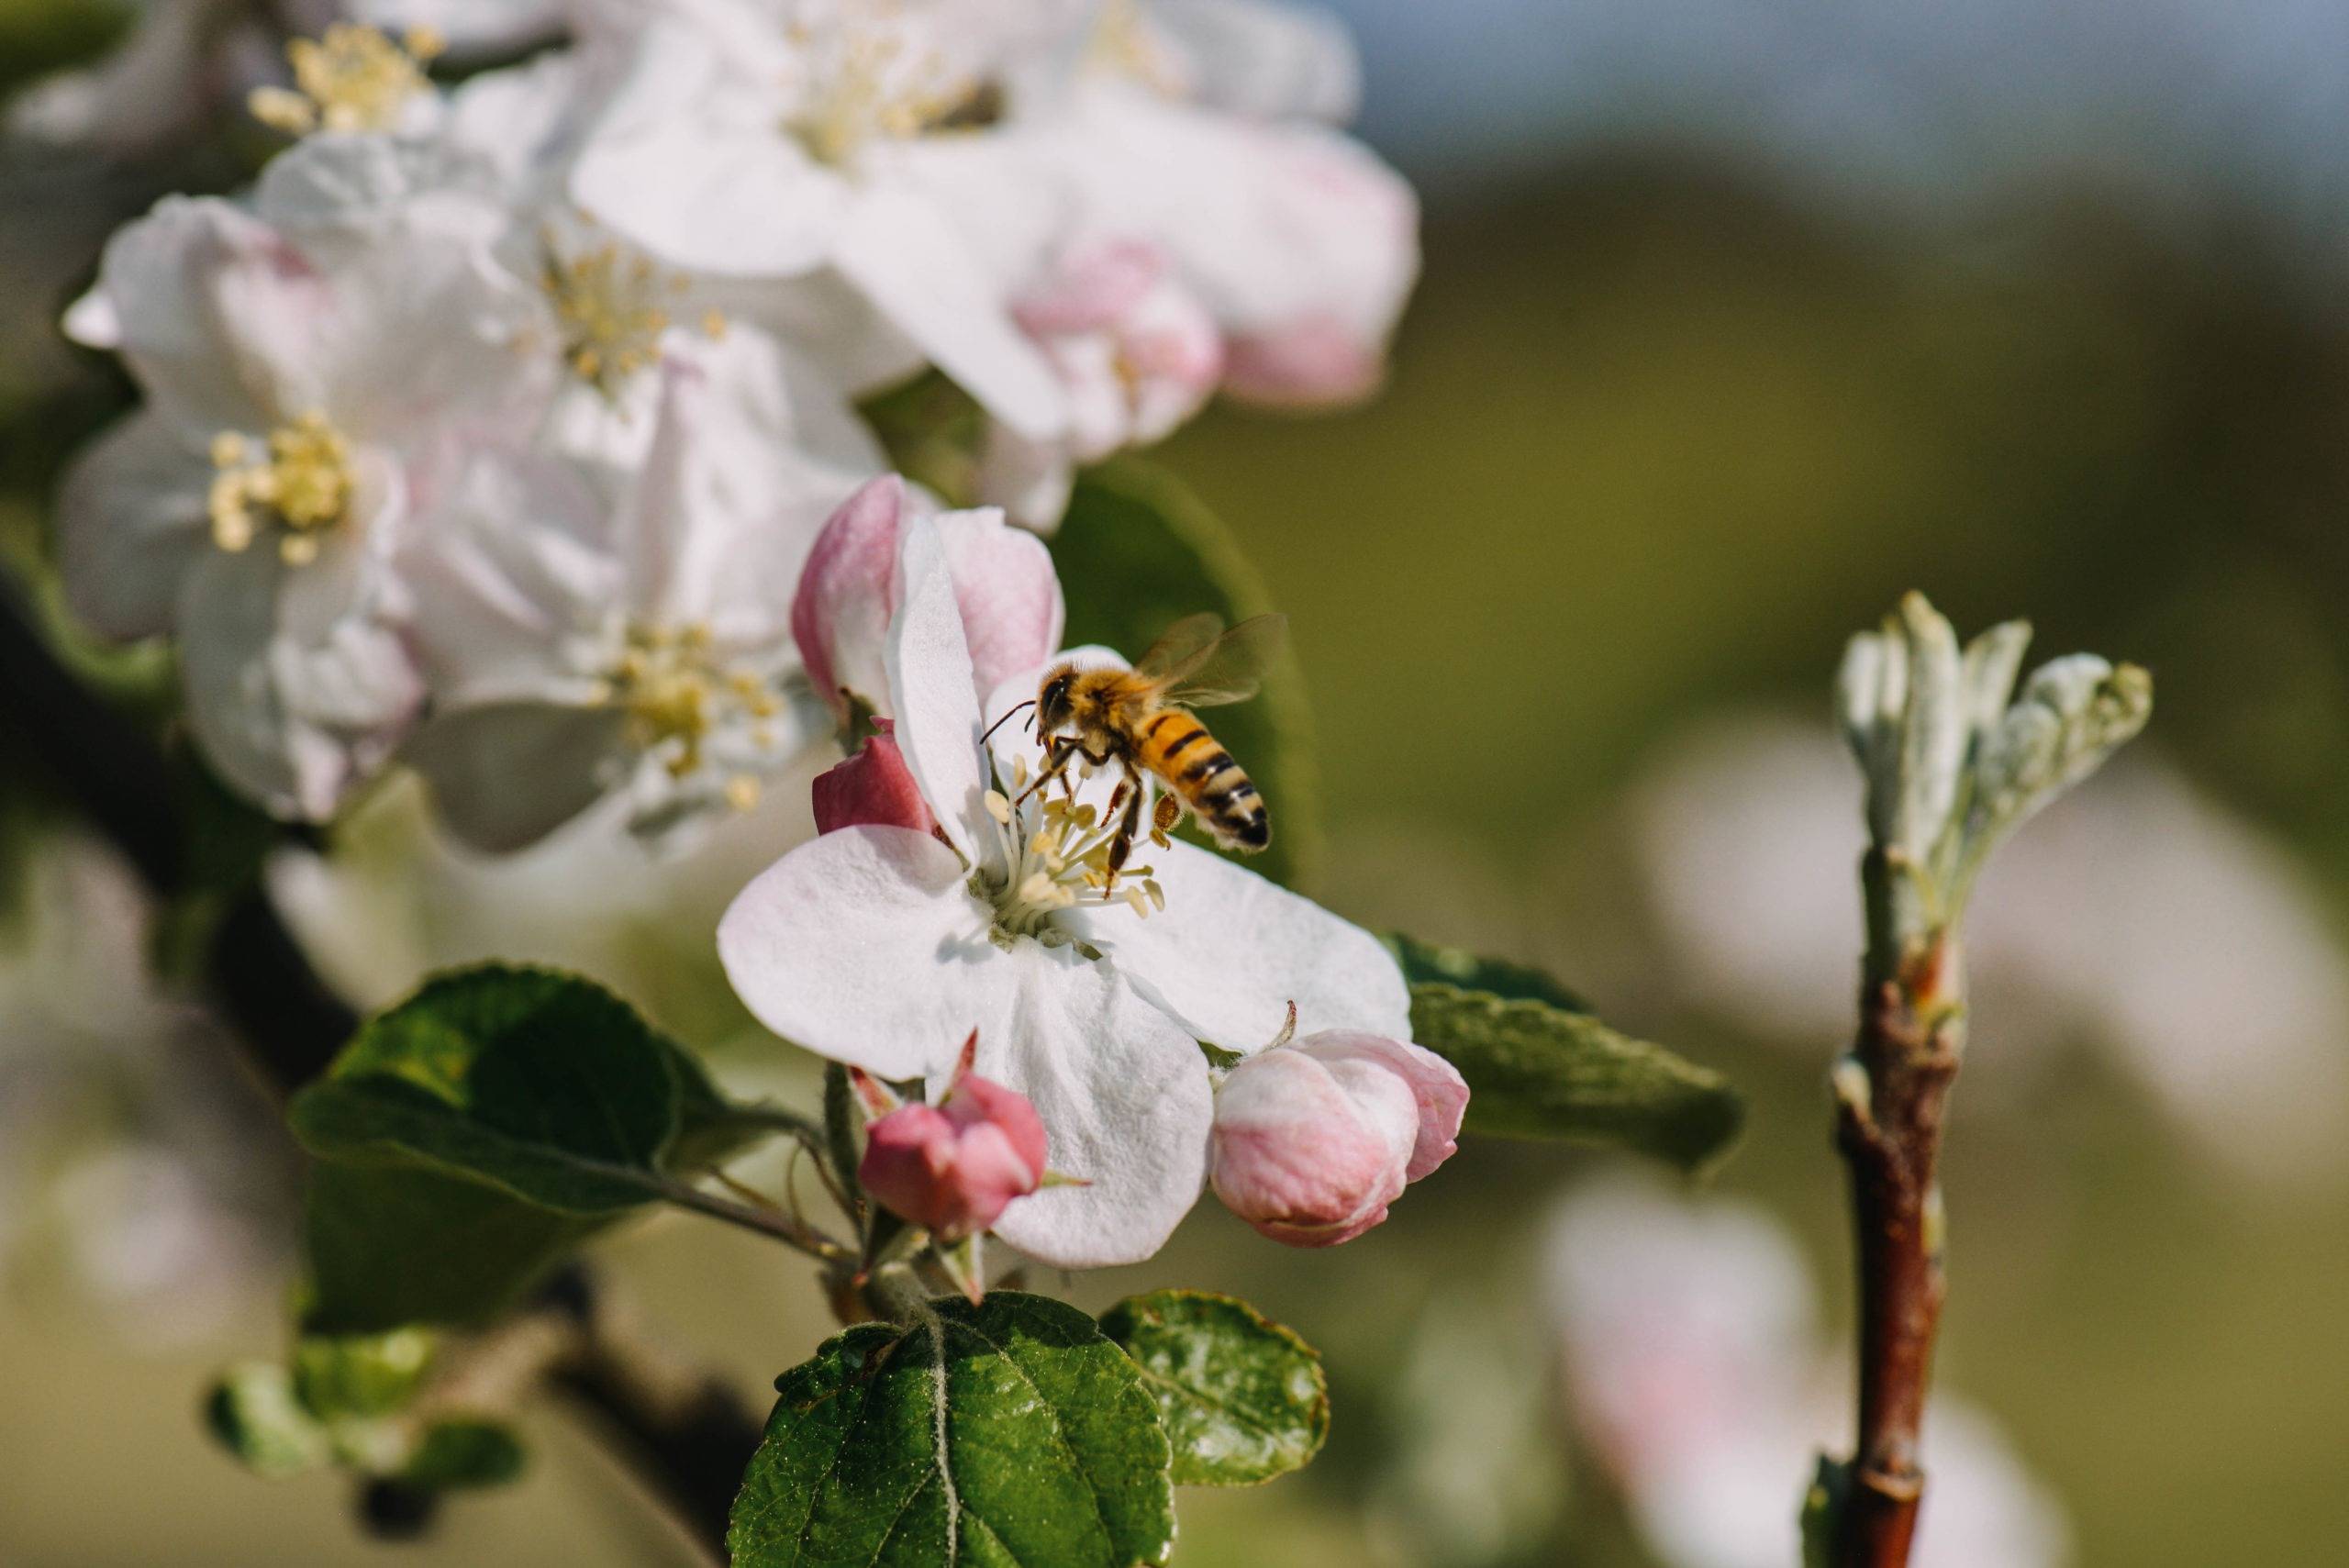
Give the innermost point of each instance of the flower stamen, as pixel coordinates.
(612, 308)
(351, 78)
(1055, 856)
(864, 81)
(676, 692)
(299, 481)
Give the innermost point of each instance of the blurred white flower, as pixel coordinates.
(306, 364)
(1697, 1376)
(128, 1154)
(879, 144)
(2140, 914)
(1136, 354)
(641, 646)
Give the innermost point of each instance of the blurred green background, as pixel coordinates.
(1665, 424)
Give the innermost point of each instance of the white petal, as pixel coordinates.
(515, 563)
(419, 323)
(737, 201)
(751, 454)
(1126, 1105)
(921, 272)
(695, 167)
(505, 775)
(93, 321)
(1231, 950)
(292, 721)
(131, 525)
(1267, 61)
(931, 689)
(1270, 224)
(865, 946)
(212, 308)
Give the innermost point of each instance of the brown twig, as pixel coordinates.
(1891, 1094)
(687, 1436)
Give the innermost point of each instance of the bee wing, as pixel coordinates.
(1232, 667)
(1179, 648)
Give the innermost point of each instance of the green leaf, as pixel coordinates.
(472, 1136)
(1242, 1398)
(538, 1083)
(390, 1245)
(359, 1375)
(1822, 1507)
(1137, 552)
(1498, 976)
(253, 1412)
(462, 1453)
(1536, 1071)
(1004, 1434)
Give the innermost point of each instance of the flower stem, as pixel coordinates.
(763, 1218)
(1892, 1094)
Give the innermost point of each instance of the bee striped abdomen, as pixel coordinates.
(1179, 748)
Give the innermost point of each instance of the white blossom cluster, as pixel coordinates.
(490, 430)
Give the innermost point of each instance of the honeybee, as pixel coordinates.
(1140, 718)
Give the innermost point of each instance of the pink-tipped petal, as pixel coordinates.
(1440, 1094)
(840, 615)
(873, 788)
(1008, 591)
(1314, 362)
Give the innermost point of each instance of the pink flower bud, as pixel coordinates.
(1004, 585)
(1313, 1140)
(953, 1167)
(872, 788)
(1314, 362)
(839, 617)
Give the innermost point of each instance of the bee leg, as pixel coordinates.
(1129, 825)
(1059, 751)
(1162, 817)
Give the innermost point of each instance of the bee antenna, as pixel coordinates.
(1006, 714)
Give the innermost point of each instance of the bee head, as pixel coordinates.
(1054, 709)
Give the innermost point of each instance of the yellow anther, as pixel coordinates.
(351, 78)
(675, 692)
(865, 84)
(1123, 45)
(612, 310)
(298, 483)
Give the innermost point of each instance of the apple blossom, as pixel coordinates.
(641, 645)
(1300, 244)
(871, 943)
(1136, 354)
(306, 363)
(787, 149)
(1314, 1137)
(1004, 586)
(953, 1167)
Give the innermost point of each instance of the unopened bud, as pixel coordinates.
(952, 1168)
(1314, 1140)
